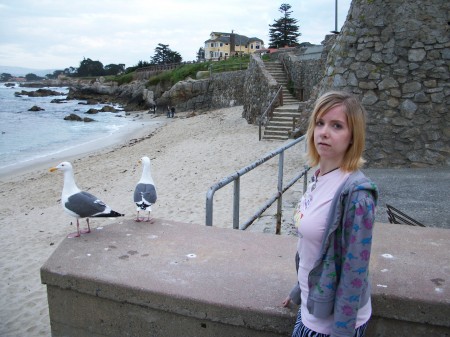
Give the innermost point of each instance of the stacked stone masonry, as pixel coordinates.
(395, 56)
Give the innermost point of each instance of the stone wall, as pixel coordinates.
(306, 68)
(395, 56)
(258, 91)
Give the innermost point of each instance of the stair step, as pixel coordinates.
(272, 132)
(282, 120)
(278, 127)
(274, 138)
(280, 109)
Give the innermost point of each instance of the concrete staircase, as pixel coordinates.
(282, 121)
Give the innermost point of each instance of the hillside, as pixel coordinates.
(22, 71)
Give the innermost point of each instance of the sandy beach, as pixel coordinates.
(188, 155)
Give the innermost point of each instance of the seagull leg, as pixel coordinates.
(77, 233)
(149, 219)
(88, 230)
(137, 217)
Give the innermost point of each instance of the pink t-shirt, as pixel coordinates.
(310, 220)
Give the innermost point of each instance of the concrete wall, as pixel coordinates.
(176, 279)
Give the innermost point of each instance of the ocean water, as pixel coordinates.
(29, 135)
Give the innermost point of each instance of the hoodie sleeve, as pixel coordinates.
(356, 241)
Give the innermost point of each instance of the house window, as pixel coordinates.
(221, 44)
(212, 44)
(251, 46)
(257, 46)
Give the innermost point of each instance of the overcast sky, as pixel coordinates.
(50, 34)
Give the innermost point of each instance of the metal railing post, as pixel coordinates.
(280, 192)
(305, 180)
(235, 177)
(260, 132)
(236, 196)
(209, 207)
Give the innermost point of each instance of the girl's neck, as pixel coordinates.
(325, 168)
(323, 172)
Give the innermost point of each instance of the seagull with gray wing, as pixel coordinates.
(80, 204)
(145, 191)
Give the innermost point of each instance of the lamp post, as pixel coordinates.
(335, 31)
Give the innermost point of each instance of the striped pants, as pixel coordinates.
(300, 330)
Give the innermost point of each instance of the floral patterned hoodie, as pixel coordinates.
(339, 281)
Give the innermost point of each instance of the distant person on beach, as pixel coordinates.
(168, 112)
(172, 111)
(334, 220)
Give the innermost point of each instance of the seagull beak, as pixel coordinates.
(53, 169)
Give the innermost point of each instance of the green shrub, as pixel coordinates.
(190, 70)
(124, 79)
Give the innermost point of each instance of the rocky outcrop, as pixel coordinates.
(220, 90)
(75, 117)
(39, 93)
(36, 108)
(133, 96)
(185, 95)
(59, 100)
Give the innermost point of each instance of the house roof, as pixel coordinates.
(225, 38)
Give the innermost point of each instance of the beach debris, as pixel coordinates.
(145, 191)
(80, 204)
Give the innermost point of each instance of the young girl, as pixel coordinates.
(334, 219)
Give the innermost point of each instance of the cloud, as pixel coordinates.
(50, 34)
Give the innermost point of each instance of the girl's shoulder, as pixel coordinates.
(357, 182)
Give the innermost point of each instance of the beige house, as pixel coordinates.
(223, 45)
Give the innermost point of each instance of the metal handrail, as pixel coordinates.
(277, 196)
(269, 110)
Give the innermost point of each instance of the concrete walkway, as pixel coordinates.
(423, 194)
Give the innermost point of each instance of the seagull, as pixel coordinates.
(145, 191)
(80, 204)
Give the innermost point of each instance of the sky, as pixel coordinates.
(50, 34)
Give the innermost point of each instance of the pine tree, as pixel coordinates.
(164, 55)
(284, 32)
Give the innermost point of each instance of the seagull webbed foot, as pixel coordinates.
(73, 235)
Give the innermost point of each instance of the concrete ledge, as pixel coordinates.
(170, 279)
(175, 279)
(410, 273)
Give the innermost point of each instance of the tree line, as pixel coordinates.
(282, 33)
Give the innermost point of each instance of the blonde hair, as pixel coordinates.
(356, 119)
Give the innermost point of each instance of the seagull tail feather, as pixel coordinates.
(112, 214)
